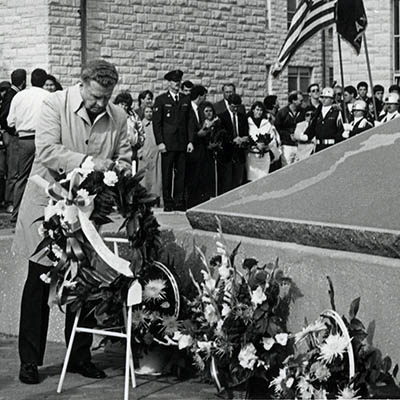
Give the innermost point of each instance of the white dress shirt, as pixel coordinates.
(25, 109)
(196, 110)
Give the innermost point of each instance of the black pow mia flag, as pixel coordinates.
(351, 21)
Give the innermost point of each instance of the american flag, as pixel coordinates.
(310, 17)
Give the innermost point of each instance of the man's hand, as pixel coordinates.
(101, 164)
(189, 148)
(162, 148)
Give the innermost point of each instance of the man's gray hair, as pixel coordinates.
(101, 71)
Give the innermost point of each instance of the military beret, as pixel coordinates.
(5, 85)
(175, 75)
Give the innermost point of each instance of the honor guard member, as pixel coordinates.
(392, 108)
(359, 123)
(326, 126)
(170, 131)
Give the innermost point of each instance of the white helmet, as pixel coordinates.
(328, 92)
(359, 105)
(393, 98)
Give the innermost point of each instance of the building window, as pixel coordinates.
(299, 78)
(396, 38)
(291, 10)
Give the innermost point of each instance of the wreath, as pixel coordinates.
(85, 271)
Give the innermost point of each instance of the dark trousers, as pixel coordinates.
(26, 154)
(12, 165)
(230, 175)
(34, 321)
(3, 174)
(173, 163)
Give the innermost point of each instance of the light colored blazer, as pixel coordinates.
(64, 137)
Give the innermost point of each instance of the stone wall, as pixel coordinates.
(380, 44)
(211, 41)
(24, 29)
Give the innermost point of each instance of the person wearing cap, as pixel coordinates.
(392, 108)
(326, 125)
(232, 161)
(221, 106)
(359, 123)
(170, 116)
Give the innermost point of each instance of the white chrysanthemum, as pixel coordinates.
(320, 371)
(183, 340)
(154, 290)
(348, 393)
(305, 388)
(57, 250)
(268, 343)
(110, 178)
(88, 164)
(320, 394)
(247, 356)
(258, 296)
(83, 193)
(281, 338)
(317, 326)
(45, 278)
(334, 346)
(204, 346)
(278, 381)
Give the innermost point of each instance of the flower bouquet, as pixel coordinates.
(334, 358)
(236, 330)
(81, 273)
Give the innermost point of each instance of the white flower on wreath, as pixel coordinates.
(247, 356)
(225, 310)
(221, 249)
(57, 250)
(258, 296)
(334, 346)
(268, 343)
(204, 346)
(320, 394)
(210, 314)
(41, 231)
(183, 340)
(83, 193)
(70, 284)
(209, 283)
(110, 178)
(218, 328)
(45, 278)
(281, 338)
(348, 393)
(88, 165)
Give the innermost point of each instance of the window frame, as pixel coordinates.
(299, 76)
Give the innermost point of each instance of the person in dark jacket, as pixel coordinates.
(359, 122)
(285, 123)
(170, 117)
(326, 125)
(232, 161)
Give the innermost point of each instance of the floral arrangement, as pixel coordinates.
(259, 144)
(79, 205)
(334, 358)
(236, 329)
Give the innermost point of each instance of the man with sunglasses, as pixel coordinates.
(313, 95)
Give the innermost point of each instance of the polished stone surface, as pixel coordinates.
(345, 197)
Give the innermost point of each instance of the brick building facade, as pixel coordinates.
(211, 41)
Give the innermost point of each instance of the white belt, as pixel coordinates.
(326, 141)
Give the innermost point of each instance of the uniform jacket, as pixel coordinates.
(64, 137)
(330, 127)
(360, 126)
(231, 151)
(170, 121)
(285, 124)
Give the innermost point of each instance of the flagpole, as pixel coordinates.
(370, 75)
(342, 77)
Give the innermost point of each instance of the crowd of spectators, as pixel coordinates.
(190, 148)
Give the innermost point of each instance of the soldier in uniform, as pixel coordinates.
(326, 126)
(359, 123)
(171, 111)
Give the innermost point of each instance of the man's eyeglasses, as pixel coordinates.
(309, 114)
(314, 91)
